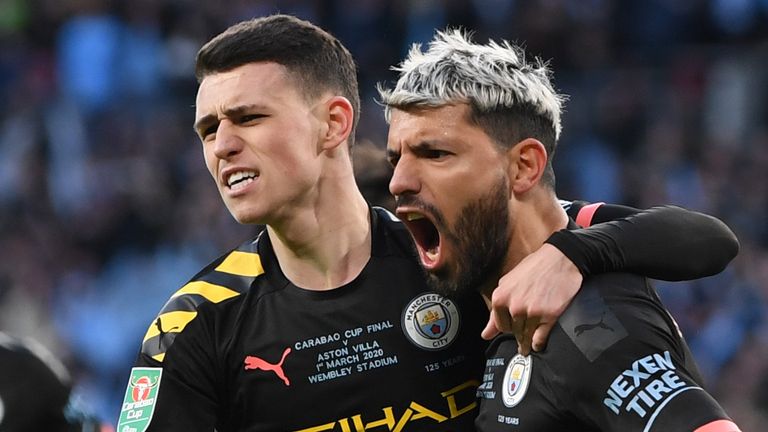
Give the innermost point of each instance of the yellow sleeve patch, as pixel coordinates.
(177, 312)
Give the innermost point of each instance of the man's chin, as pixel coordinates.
(446, 285)
(242, 220)
(245, 216)
(456, 283)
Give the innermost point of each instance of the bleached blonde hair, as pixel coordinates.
(488, 77)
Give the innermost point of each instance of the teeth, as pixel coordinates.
(431, 254)
(242, 184)
(240, 175)
(414, 216)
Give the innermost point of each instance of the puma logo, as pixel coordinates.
(579, 329)
(253, 362)
(159, 325)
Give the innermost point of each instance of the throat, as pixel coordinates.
(323, 275)
(328, 260)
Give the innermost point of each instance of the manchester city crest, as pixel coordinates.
(431, 321)
(516, 380)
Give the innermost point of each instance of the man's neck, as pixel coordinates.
(328, 245)
(533, 222)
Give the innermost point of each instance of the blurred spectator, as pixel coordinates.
(36, 393)
(89, 53)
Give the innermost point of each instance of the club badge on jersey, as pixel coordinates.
(140, 397)
(516, 380)
(431, 321)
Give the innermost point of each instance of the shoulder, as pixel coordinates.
(390, 235)
(615, 313)
(582, 212)
(383, 219)
(35, 381)
(28, 354)
(224, 279)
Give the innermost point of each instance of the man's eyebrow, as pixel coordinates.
(204, 122)
(419, 146)
(210, 119)
(424, 145)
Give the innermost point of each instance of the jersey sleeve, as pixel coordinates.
(179, 392)
(627, 367)
(176, 381)
(665, 242)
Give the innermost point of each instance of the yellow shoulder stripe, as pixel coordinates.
(159, 357)
(172, 322)
(241, 264)
(213, 293)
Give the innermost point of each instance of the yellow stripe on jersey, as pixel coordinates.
(238, 263)
(241, 264)
(172, 322)
(212, 292)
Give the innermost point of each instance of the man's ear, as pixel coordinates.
(529, 158)
(339, 120)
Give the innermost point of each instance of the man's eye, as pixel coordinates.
(435, 154)
(209, 132)
(251, 117)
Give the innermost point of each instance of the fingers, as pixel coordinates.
(531, 333)
(502, 317)
(541, 335)
(521, 326)
(518, 329)
(524, 339)
(501, 320)
(491, 330)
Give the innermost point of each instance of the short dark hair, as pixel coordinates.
(510, 125)
(315, 59)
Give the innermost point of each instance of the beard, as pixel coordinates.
(480, 237)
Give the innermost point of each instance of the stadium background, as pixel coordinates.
(106, 207)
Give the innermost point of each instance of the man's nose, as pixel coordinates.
(228, 142)
(405, 178)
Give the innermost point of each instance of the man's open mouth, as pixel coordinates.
(426, 236)
(241, 179)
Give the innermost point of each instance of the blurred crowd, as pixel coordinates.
(106, 207)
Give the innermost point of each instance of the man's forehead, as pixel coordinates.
(426, 120)
(260, 74)
(250, 84)
(219, 79)
(211, 87)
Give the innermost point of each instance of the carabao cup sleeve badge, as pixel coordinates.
(140, 397)
(431, 321)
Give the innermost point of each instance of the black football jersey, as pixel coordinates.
(240, 348)
(615, 361)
